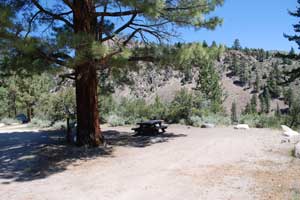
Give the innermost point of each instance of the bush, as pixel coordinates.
(196, 121)
(253, 120)
(115, 120)
(40, 123)
(9, 121)
(261, 121)
(60, 125)
(180, 107)
(216, 119)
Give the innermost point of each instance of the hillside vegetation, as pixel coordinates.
(193, 84)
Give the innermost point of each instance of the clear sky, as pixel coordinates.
(257, 23)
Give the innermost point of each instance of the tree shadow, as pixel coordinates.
(27, 156)
(116, 138)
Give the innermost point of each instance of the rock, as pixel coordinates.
(2, 125)
(242, 126)
(288, 132)
(157, 140)
(297, 150)
(208, 125)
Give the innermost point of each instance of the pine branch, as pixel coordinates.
(53, 15)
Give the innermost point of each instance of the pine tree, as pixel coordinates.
(253, 104)
(295, 73)
(289, 97)
(256, 85)
(234, 117)
(85, 28)
(266, 100)
(236, 45)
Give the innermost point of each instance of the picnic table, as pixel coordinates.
(151, 127)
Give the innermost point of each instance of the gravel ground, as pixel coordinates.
(186, 163)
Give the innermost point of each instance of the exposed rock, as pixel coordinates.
(288, 132)
(208, 125)
(242, 126)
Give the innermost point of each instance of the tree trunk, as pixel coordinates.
(29, 113)
(88, 127)
(68, 135)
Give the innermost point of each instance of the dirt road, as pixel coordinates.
(187, 163)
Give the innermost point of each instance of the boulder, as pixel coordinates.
(2, 125)
(297, 150)
(288, 132)
(242, 126)
(208, 125)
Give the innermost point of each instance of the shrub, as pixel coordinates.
(60, 125)
(196, 121)
(40, 123)
(216, 119)
(115, 120)
(9, 121)
(180, 107)
(261, 121)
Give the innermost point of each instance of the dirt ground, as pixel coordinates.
(185, 163)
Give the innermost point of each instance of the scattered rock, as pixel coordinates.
(208, 125)
(242, 126)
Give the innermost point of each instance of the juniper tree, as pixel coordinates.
(91, 36)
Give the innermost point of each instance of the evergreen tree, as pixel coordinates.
(204, 44)
(234, 117)
(292, 52)
(295, 73)
(86, 28)
(289, 97)
(256, 85)
(214, 44)
(236, 45)
(253, 104)
(265, 99)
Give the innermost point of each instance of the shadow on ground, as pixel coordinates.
(27, 156)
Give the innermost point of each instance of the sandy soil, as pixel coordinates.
(186, 163)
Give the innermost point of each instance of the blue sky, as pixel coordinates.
(257, 23)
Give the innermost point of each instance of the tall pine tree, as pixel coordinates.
(93, 31)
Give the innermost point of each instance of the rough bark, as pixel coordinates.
(88, 127)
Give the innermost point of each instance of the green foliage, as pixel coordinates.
(261, 121)
(236, 45)
(265, 101)
(60, 125)
(9, 121)
(181, 106)
(115, 120)
(293, 118)
(289, 97)
(56, 106)
(41, 123)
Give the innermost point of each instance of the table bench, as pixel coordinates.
(151, 127)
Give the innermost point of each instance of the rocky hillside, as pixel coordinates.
(151, 81)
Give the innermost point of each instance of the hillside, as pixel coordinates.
(152, 81)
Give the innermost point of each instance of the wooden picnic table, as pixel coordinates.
(151, 127)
